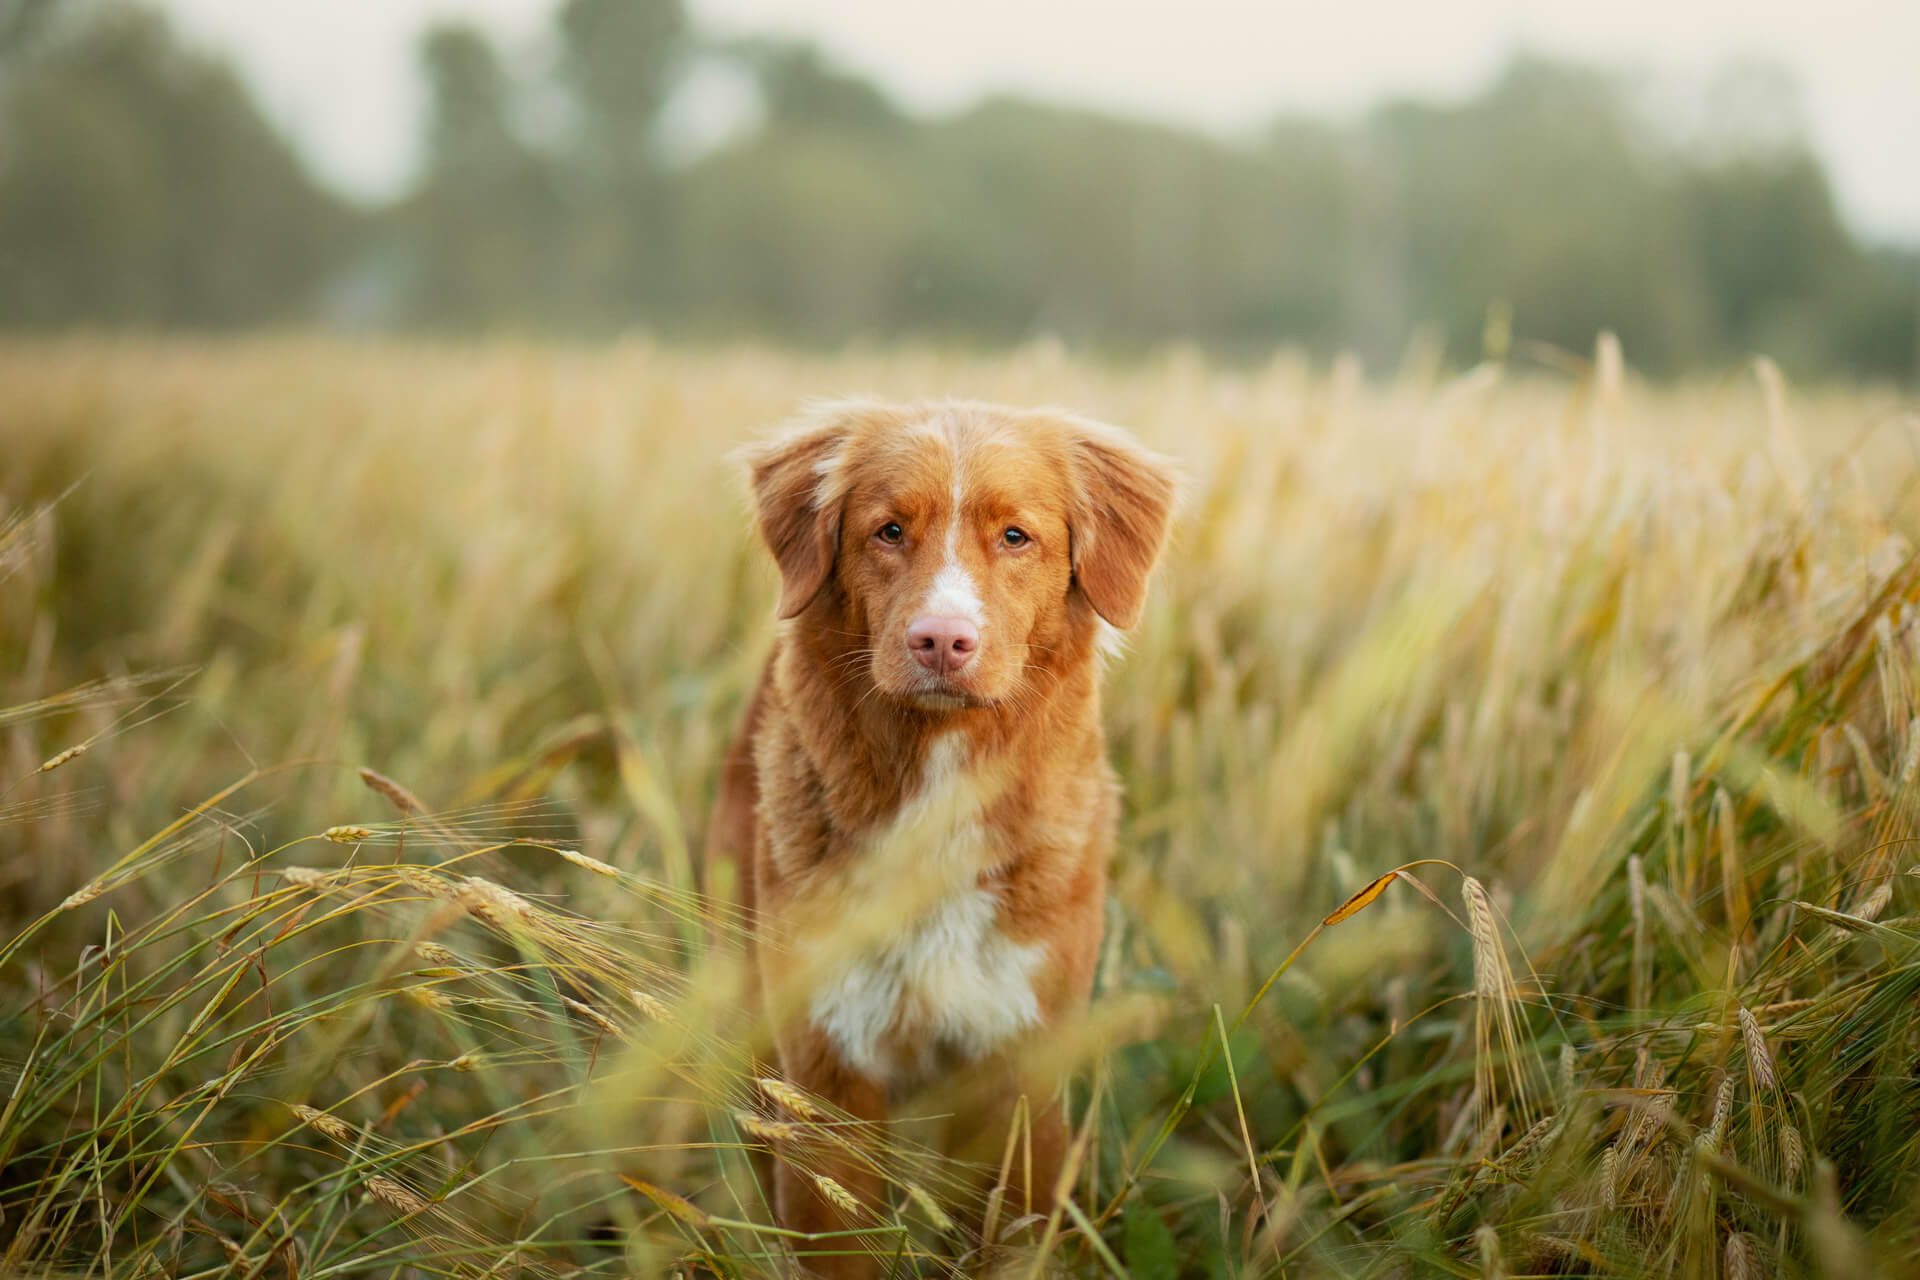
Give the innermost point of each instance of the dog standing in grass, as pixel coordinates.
(918, 809)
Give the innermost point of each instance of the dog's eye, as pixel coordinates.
(890, 533)
(1014, 537)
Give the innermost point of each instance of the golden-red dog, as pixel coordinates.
(918, 807)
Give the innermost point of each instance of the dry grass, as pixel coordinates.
(359, 707)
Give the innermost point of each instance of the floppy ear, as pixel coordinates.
(796, 496)
(1123, 507)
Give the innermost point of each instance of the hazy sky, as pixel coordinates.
(340, 73)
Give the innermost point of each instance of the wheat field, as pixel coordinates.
(1518, 876)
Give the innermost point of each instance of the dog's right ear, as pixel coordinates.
(797, 491)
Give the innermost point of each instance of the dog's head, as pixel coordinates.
(959, 548)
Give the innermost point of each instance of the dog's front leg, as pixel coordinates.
(829, 1181)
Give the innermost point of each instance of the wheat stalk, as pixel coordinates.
(1793, 1157)
(402, 799)
(590, 863)
(1487, 1243)
(1759, 1060)
(652, 1006)
(836, 1194)
(794, 1100)
(334, 1127)
(65, 757)
(494, 903)
(1637, 907)
(396, 1196)
(1740, 1262)
(930, 1208)
(591, 1014)
(761, 1127)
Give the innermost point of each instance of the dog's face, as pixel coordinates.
(956, 547)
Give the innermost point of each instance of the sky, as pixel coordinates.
(339, 75)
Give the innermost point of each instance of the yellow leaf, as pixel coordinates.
(1362, 900)
(684, 1210)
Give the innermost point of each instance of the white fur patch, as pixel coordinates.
(947, 982)
(952, 985)
(953, 593)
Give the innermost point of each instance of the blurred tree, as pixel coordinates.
(1775, 258)
(139, 185)
(1542, 193)
(1127, 232)
(480, 230)
(620, 60)
(800, 89)
(1875, 318)
(21, 22)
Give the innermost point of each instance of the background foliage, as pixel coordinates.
(140, 186)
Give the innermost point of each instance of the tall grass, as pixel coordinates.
(1518, 874)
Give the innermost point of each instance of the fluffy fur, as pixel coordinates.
(925, 850)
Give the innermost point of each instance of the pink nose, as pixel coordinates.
(942, 645)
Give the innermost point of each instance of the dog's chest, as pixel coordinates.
(946, 984)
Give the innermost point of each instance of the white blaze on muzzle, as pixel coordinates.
(953, 593)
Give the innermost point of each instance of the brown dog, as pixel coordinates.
(919, 808)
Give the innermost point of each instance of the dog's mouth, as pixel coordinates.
(941, 693)
(947, 701)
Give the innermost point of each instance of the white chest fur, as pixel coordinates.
(944, 982)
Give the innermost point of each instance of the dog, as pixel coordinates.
(917, 811)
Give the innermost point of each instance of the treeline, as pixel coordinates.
(141, 186)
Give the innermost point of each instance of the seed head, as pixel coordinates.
(794, 1100)
(1486, 941)
(403, 800)
(1793, 1156)
(1759, 1061)
(930, 1207)
(401, 1199)
(761, 1127)
(1492, 1265)
(591, 1014)
(331, 1125)
(590, 863)
(54, 763)
(1722, 1110)
(652, 1006)
(1519, 1159)
(838, 1196)
(347, 835)
(434, 953)
(1875, 902)
(496, 904)
(1741, 1264)
(422, 880)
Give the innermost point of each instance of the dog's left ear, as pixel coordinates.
(798, 486)
(1122, 509)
